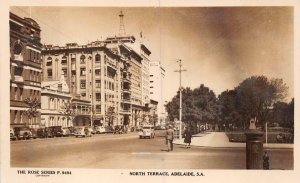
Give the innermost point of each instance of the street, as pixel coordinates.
(127, 151)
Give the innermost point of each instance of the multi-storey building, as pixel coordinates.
(25, 70)
(97, 74)
(157, 74)
(145, 54)
(127, 48)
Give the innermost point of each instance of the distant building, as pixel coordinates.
(156, 82)
(25, 70)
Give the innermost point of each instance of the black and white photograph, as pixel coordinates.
(150, 91)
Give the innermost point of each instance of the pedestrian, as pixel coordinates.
(169, 138)
(266, 165)
(187, 137)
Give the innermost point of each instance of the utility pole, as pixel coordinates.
(180, 95)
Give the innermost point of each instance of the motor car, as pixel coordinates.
(91, 131)
(108, 129)
(41, 133)
(49, 133)
(33, 132)
(147, 131)
(66, 132)
(118, 129)
(99, 129)
(57, 131)
(83, 131)
(12, 134)
(72, 130)
(23, 133)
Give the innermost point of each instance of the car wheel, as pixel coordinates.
(140, 136)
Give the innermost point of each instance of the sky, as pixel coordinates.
(219, 46)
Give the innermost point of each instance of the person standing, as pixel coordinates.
(188, 137)
(169, 138)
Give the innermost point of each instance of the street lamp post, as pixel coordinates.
(180, 96)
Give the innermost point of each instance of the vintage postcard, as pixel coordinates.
(149, 91)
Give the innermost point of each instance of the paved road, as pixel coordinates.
(126, 151)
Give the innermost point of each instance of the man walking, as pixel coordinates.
(169, 138)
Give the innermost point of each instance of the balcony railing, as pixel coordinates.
(18, 58)
(19, 79)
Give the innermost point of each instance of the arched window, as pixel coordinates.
(64, 60)
(97, 58)
(18, 49)
(49, 61)
(82, 59)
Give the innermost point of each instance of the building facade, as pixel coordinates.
(156, 83)
(55, 95)
(25, 71)
(96, 73)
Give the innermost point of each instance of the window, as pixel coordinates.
(151, 92)
(98, 108)
(49, 72)
(151, 86)
(97, 72)
(18, 71)
(97, 58)
(82, 59)
(59, 87)
(98, 83)
(49, 61)
(64, 60)
(82, 84)
(17, 49)
(82, 71)
(65, 72)
(98, 96)
(83, 94)
(151, 75)
(151, 81)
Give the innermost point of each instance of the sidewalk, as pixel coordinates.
(219, 139)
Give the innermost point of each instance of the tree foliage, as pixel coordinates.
(198, 105)
(256, 95)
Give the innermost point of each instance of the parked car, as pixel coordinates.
(99, 129)
(72, 130)
(33, 132)
(118, 129)
(49, 133)
(108, 129)
(12, 134)
(83, 131)
(23, 133)
(65, 132)
(147, 131)
(57, 131)
(41, 133)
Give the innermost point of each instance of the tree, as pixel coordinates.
(33, 105)
(256, 95)
(198, 105)
(229, 114)
(69, 110)
(283, 114)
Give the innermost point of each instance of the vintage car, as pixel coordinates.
(57, 131)
(41, 133)
(83, 131)
(147, 131)
(12, 134)
(65, 132)
(23, 133)
(99, 129)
